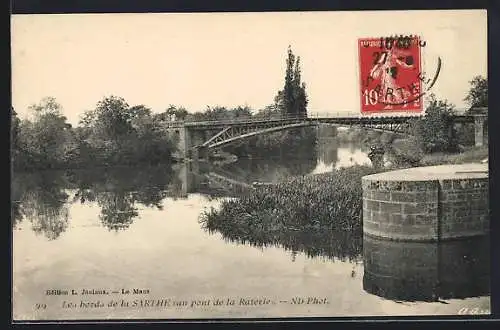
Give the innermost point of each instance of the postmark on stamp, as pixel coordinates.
(391, 75)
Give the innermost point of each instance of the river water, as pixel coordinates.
(134, 235)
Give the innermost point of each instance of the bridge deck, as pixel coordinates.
(342, 120)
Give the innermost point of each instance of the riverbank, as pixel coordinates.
(469, 155)
(308, 204)
(299, 207)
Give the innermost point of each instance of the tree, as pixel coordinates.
(107, 130)
(299, 90)
(478, 92)
(288, 90)
(242, 112)
(436, 132)
(139, 111)
(174, 113)
(45, 141)
(48, 105)
(292, 99)
(87, 119)
(268, 112)
(112, 118)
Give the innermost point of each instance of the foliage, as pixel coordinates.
(298, 212)
(111, 120)
(405, 152)
(465, 133)
(292, 99)
(221, 113)
(436, 132)
(48, 105)
(114, 133)
(173, 113)
(477, 95)
(45, 141)
(14, 136)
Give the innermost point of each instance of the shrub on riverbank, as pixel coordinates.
(291, 212)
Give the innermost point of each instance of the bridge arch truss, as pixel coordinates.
(231, 132)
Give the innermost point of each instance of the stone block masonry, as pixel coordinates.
(427, 203)
(464, 207)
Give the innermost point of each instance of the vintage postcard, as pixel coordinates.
(249, 165)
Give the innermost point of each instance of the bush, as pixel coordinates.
(327, 207)
(436, 132)
(406, 152)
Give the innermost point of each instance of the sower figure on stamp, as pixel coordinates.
(387, 68)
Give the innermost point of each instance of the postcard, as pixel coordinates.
(249, 165)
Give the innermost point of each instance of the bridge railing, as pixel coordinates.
(239, 120)
(271, 118)
(310, 115)
(337, 114)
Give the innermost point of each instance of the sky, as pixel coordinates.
(228, 59)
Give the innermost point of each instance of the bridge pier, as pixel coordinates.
(182, 136)
(187, 179)
(188, 140)
(192, 175)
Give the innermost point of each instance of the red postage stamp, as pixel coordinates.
(390, 74)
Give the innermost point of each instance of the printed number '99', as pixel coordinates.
(40, 306)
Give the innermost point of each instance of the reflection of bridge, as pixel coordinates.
(227, 185)
(200, 136)
(201, 178)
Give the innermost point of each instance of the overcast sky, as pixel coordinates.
(226, 59)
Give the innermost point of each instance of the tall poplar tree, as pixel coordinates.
(292, 100)
(299, 90)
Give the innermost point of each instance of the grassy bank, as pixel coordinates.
(317, 214)
(406, 153)
(469, 155)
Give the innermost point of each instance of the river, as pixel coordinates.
(134, 234)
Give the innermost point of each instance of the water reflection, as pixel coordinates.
(117, 210)
(270, 170)
(328, 151)
(118, 191)
(319, 242)
(43, 198)
(323, 243)
(412, 271)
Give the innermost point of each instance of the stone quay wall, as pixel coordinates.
(464, 208)
(427, 210)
